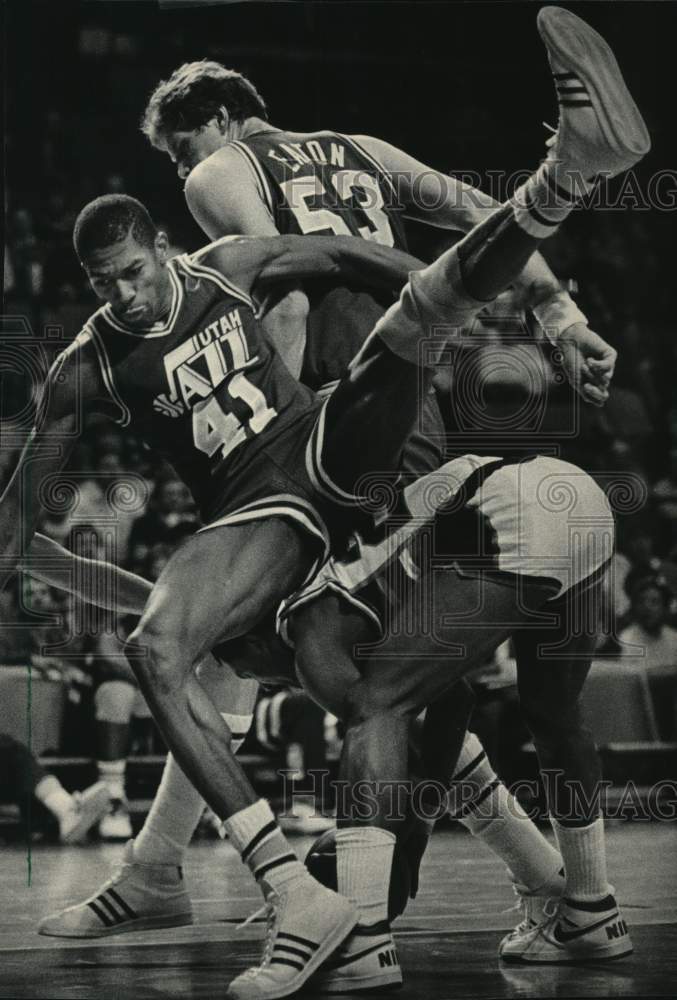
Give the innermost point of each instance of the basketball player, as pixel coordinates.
(452, 289)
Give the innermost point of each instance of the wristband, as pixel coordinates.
(557, 314)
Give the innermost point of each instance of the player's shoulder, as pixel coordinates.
(221, 263)
(83, 345)
(224, 165)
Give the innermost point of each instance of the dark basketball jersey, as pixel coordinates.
(324, 183)
(204, 388)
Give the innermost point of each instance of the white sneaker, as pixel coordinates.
(306, 924)
(601, 130)
(116, 824)
(88, 808)
(366, 961)
(573, 931)
(535, 906)
(137, 898)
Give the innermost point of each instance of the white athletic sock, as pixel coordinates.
(364, 857)
(482, 803)
(584, 853)
(177, 808)
(547, 197)
(263, 847)
(53, 796)
(112, 773)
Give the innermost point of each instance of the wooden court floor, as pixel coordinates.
(447, 939)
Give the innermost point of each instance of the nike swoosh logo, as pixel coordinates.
(562, 936)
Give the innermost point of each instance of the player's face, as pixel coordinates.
(133, 279)
(187, 149)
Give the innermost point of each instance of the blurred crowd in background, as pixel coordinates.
(75, 137)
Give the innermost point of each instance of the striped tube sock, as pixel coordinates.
(547, 197)
(177, 808)
(263, 846)
(364, 857)
(584, 853)
(482, 803)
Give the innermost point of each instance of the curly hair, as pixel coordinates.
(193, 94)
(109, 219)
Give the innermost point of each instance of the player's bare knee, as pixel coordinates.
(365, 702)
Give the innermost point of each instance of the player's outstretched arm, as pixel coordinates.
(96, 582)
(46, 451)
(256, 264)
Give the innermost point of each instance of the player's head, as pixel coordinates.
(197, 110)
(124, 256)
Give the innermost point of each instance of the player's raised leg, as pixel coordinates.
(218, 585)
(600, 132)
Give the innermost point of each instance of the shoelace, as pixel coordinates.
(522, 905)
(271, 911)
(553, 137)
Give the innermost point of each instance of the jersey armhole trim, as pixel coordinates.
(106, 370)
(192, 266)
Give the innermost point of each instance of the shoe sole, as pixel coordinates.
(128, 927)
(601, 955)
(375, 984)
(94, 810)
(584, 51)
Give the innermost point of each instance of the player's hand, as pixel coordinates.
(588, 362)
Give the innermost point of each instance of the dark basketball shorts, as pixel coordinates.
(540, 520)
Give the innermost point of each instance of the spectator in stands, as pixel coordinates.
(650, 643)
(23, 780)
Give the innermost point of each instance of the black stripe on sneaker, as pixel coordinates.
(292, 951)
(562, 91)
(473, 805)
(299, 940)
(469, 768)
(282, 860)
(103, 917)
(288, 961)
(107, 905)
(575, 104)
(561, 193)
(536, 215)
(564, 76)
(125, 907)
(255, 841)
